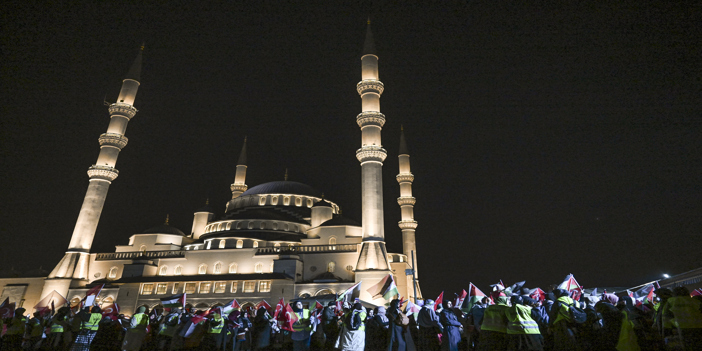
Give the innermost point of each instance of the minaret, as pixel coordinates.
(372, 261)
(239, 185)
(74, 265)
(406, 202)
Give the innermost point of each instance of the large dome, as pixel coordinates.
(283, 187)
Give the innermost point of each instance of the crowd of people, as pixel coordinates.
(670, 321)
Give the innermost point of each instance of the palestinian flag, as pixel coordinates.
(572, 286)
(343, 296)
(386, 288)
(412, 309)
(474, 296)
(174, 301)
(644, 295)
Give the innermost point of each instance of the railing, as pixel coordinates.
(139, 254)
(309, 249)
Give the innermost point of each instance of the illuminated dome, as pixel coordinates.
(283, 187)
(164, 229)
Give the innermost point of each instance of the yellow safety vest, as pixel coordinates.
(520, 321)
(168, 330)
(495, 319)
(217, 328)
(94, 322)
(686, 312)
(299, 326)
(16, 326)
(363, 314)
(142, 321)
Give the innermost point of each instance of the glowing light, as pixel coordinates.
(665, 275)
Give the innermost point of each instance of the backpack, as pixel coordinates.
(402, 319)
(353, 320)
(577, 314)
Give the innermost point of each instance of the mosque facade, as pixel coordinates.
(277, 239)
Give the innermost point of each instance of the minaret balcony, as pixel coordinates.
(370, 86)
(122, 109)
(405, 177)
(370, 118)
(371, 154)
(238, 187)
(406, 200)
(103, 172)
(411, 224)
(113, 139)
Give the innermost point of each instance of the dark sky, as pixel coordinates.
(545, 140)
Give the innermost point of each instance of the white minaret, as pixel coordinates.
(74, 265)
(406, 202)
(372, 261)
(239, 185)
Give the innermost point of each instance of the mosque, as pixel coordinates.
(277, 239)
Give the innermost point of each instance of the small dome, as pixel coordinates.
(339, 220)
(283, 187)
(164, 229)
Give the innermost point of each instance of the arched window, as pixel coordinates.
(255, 244)
(163, 270)
(232, 267)
(178, 270)
(218, 268)
(261, 200)
(332, 241)
(142, 248)
(274, 200)
(286, 201)
(113, 273)
(262, 225)
(239, 225)
(222, 244)
(324, 292)
(202, 269)
(330, 267)
(298, 201)
(258, 268)
(276, 245)
(309, 203)
(239, 244)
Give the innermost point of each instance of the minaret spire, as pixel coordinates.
(74, 265)
(372, 263)
(407, 223)
(239, 185)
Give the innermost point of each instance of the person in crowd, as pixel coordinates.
(377, 330)
(607, 337)
(215, 332)
(564, 337)
(243, 333)
(473, 322)
(330, 325)
(354, 335)
(493, 329)
(398, 329)
(685, 314)
(34, 332)
(59, 324)
(301, 328)
(136, 331)
(89, 325)
(167, 329)
(522, 331)
(451, 335)
(429, 327)
(261, 332)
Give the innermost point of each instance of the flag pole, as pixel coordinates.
(414, 278)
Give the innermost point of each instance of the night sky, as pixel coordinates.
(544, 140)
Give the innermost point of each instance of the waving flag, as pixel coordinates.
(515, 288)
(174, 301)
(412, 309)
(92, 294)
(265, 304)
(572, 286)
(386, 288)
(644, 295)
(230, 306)
(474, 296)
(439, 300)
(352, 290)
(279, 309)
(111, 311)
(538, 295)
(290, 317)
(7, 309)
(696, 292)
(460, 298)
